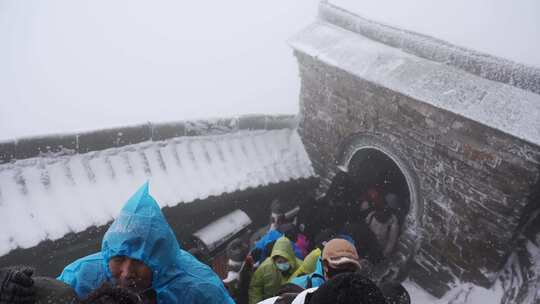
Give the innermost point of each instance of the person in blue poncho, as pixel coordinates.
(140, 252)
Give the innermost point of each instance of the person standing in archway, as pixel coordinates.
(385, 226)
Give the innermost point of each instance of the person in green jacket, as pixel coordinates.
(274, 272)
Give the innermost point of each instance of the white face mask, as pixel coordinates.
(283, 266)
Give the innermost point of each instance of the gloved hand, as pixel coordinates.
(111, 294)
(17, 285)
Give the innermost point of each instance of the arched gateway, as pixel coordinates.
(371, 162)
(465, 137)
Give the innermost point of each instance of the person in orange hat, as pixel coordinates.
(338, 256)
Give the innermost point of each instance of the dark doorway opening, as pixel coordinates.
(371, 168)
(365, 199)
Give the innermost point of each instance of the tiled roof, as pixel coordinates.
(47, 197)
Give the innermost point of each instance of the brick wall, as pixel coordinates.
(473, 181)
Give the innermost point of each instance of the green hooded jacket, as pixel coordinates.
(267, 279)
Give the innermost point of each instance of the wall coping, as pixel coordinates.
(101, 139)
(481, 64)
(500, 106)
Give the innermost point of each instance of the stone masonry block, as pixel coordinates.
(110, 138)
(34, 146)
(7, 151)
(162, 131)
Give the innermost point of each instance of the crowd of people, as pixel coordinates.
(290, 261)
(298, 251)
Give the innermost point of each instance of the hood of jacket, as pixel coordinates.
(309, 264)
(284, 248)
(141, 232)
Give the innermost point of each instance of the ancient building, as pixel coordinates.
(455, 134)
(462, 127)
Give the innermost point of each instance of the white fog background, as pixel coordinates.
(73, 65)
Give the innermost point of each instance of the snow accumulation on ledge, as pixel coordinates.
(485, 65)
(502, 29)
(52, 196)
(497, 105)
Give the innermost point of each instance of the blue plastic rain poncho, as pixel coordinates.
(141, 232)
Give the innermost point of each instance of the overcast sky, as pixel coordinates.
(71, 65)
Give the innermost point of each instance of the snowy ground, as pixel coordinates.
(518, 282)
(464, 294)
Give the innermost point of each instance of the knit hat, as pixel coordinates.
(338, 252)
(237, 250)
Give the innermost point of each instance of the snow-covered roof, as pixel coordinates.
(498, 105)
(47, 197)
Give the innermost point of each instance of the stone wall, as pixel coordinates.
(473, 181)
(84, 142)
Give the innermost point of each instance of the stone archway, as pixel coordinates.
(376, 160)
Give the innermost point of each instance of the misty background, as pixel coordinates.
(69, 65)
(74, 65)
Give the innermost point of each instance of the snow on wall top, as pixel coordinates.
(52, 196)
(487, 66)
(494, 104)
(101, 139)
(507, 29)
